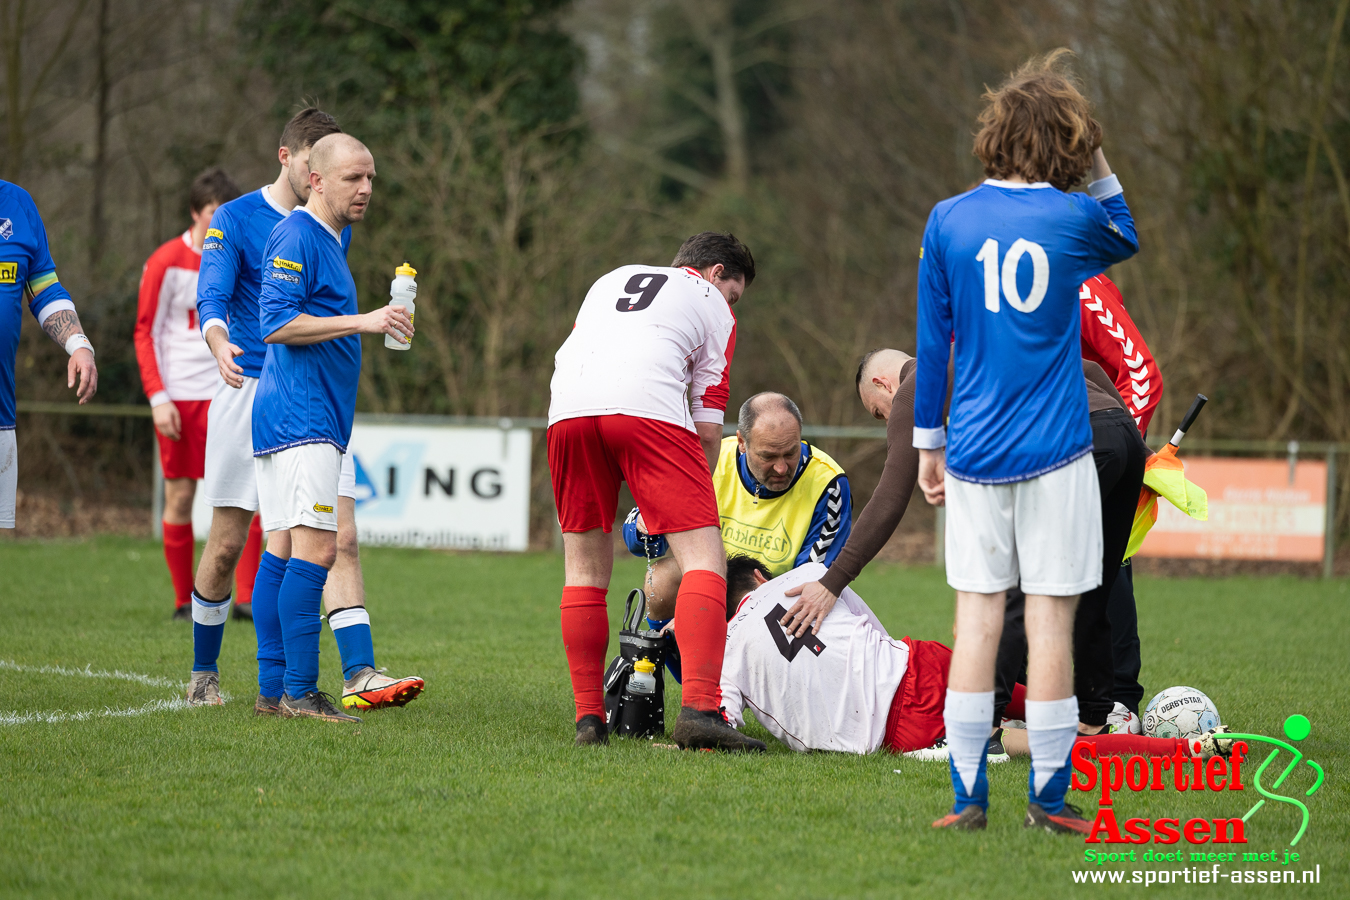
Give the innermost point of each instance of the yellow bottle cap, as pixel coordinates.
(645, 666)
(405, 269)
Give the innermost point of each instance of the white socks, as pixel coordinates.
(968, 718)
(1052, 727)
(345, 618)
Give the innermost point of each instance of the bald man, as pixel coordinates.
(306, 398)
(780, 501)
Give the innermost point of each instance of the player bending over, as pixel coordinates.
(999, 272)
(178, 374)
(227, 304)
(643, 337)
(780, 500)
(850, 686)
(28, 273)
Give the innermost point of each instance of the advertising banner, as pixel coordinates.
(1258, 509)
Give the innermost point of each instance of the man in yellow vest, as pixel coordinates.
(780, 500)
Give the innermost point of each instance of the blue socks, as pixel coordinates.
(966, 717)
(208, 628)
(977, 794)
(299, 603)
(267, 624)
(1052, 728)
(351, 628)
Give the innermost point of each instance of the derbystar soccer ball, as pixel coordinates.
(1180, 712)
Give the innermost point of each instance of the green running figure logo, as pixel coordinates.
(1296, 728)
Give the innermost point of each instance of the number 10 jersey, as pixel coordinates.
(644, 336)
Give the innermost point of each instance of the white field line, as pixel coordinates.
(58, 716)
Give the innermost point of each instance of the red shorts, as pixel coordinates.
(915, 721)
(186, 457)
(664, 465)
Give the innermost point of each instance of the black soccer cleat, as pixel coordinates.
(698, 729)
(267, 706)
(591, 731)
(1067, 821)
(313, 705)
(972, 818)
(183, 613)
(243, 611)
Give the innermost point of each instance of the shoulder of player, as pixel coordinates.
(173, 252)
(821, 463)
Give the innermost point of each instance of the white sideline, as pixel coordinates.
(17, 718)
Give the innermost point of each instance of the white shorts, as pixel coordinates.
(9, 476)
(347, 478)
(299, 486)
(230, 477)
(1045, 533)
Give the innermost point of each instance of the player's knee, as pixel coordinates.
(347, 546)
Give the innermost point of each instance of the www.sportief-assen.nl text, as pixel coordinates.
(1211, 875)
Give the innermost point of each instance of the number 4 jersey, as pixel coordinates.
(999, 273)
(643, 337)
(828, 691)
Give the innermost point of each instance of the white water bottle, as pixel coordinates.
(643, 679)
(402, 292)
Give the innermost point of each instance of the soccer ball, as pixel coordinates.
(1180, 712)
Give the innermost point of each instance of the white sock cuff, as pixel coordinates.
(1047, 714)
(204, 612)
(963, 706)
(352, 615)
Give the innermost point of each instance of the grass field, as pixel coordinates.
(475, 790)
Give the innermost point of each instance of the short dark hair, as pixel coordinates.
(741, 571)
(306, 128)
(708, 248)
(761, 403)
(212, 186)
(862, 367)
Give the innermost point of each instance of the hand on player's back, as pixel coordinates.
(392, 320)
(810, 611)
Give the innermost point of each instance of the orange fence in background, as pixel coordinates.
(1258, 509)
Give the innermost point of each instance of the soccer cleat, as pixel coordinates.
(243, 611)
(183, 613)
(1121, 721)
(267, 706)
(1212, 743)
(313, 705)
(1067, 821)
(709, 730)
(591, 731)
(204, 690)
(940, 752)
(372, 689)
(972, 818)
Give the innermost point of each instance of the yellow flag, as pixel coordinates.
(1163, 476)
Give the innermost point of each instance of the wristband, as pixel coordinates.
(77, 341)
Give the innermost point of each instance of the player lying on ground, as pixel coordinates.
(850, 686)
(639, 385)
(228, 288)
(28, 273)
(780, 500)
(999, 274)
(178, 375)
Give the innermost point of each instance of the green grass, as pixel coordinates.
(475, 790)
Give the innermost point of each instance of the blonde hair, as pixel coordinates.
(1038, 125)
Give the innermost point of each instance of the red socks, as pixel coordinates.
(247, 570)
(178, 554)
(1132, 745)
(585, 631)
(701, 629)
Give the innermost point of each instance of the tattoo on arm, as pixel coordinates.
(61, 325)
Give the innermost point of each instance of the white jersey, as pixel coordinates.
(829, 691)
(645, 335)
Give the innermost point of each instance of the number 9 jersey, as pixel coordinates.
(643, 337)
(999, 273)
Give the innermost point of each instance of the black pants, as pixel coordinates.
(1125, 641)
(1119, 453)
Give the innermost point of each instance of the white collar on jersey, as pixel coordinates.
(1016, 184)
(187, 241)
(267, 195)
(695, 272)
(326, 227)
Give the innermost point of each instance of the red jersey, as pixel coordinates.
(175, 362)
(1111, 340)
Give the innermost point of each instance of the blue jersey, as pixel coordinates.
(306, 394)
(26, 272)
(231, 272)
(999, 274)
